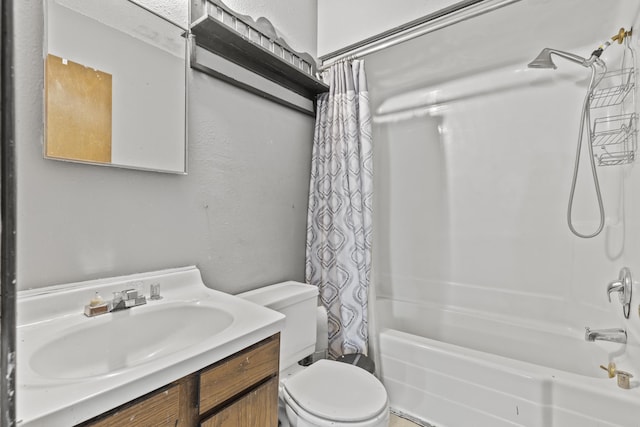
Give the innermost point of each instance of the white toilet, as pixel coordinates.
(326, 393)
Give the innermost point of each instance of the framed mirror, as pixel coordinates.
(115, 85)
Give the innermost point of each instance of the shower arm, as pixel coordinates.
(575, 58)
(543, 60)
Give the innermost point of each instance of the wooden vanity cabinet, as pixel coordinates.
(160, 408)
(239, 391)
(254, 409)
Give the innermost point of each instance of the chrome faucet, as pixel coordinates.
(613, 335)
(126, 299)
(121, 300)
(623, 286)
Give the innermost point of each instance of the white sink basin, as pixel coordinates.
(112, 342)
(71, 368)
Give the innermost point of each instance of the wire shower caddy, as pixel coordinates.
(614, 134)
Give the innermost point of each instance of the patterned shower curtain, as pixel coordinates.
(339, 232)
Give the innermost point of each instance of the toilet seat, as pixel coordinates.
(336, 392)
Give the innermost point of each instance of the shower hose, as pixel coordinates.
(586, 118)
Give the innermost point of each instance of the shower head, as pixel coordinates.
(543, 60)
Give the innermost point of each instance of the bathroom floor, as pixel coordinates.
(396, 421)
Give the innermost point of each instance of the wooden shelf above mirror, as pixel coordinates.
(241, 41)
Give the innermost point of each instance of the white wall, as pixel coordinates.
(175, 10)
(343, 23)
(295, 21)
(240, 213)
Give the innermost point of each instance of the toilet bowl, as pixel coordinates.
(327, 392)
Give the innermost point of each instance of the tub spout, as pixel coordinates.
(613, 335)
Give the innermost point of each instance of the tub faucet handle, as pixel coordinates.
(610, 368)
(616, 286)
(624, 288)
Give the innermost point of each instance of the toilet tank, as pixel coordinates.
(297, 301)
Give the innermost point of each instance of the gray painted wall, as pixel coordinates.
(239, 215)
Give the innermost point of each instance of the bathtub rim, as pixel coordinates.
(604, 386)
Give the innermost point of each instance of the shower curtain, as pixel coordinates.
(339, 230)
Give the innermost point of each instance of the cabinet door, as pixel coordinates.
(160, 409)
(237, 373)
(258, 408)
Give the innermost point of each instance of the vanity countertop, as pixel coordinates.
(71, 368)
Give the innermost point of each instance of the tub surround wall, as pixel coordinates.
(472, 196)
(240, 213)
(473, 175)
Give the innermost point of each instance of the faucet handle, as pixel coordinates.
(610, 368)
(624, 287)
(623, 379)
(117, 297)
(615, 286)
(129, 294)
(155, 291)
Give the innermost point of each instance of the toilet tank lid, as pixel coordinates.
(281, 295)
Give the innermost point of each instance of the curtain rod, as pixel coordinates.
(443, 18)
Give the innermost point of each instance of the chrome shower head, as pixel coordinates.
(543, 60)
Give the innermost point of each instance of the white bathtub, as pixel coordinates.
(463, 369)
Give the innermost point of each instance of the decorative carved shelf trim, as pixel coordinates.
(254, 45)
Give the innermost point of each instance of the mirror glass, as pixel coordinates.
(115, 85)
